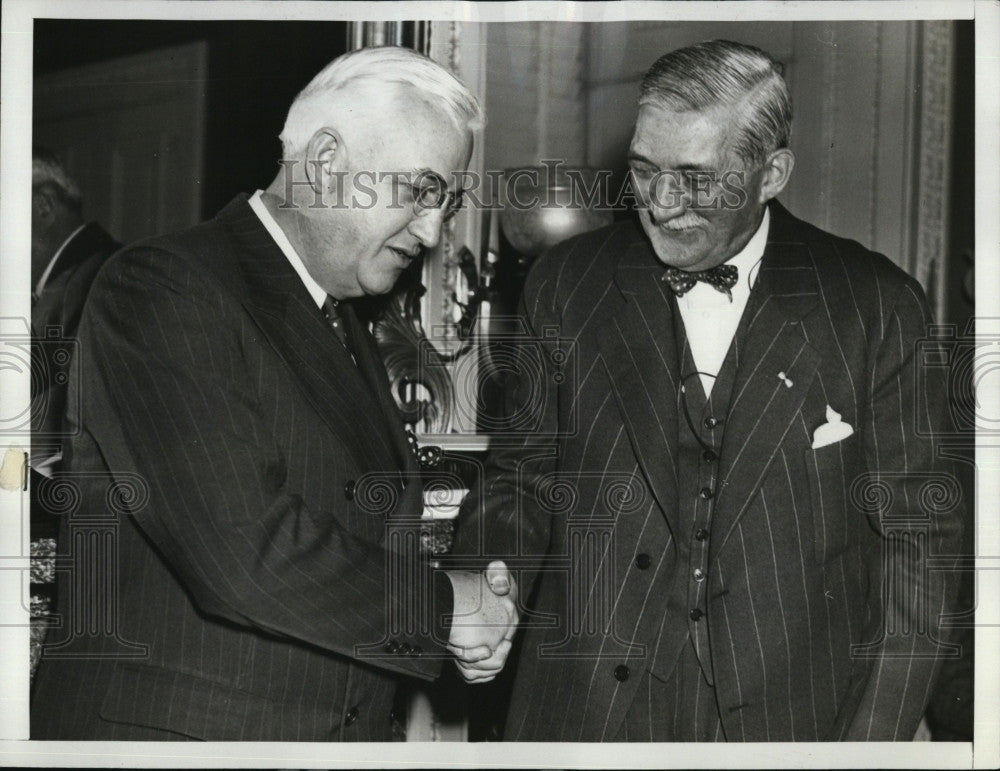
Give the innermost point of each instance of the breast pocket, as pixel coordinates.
(831, 471)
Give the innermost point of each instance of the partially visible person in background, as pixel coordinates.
(66, 253)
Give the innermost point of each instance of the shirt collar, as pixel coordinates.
(749, 257)
(315, 290)
(52, 263)
(747, 261)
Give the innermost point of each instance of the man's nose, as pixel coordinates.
(426, 227)
(668, 198)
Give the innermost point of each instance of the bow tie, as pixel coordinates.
(722, 277)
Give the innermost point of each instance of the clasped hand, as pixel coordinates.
(485, 619)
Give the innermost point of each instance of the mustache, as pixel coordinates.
(687, 220)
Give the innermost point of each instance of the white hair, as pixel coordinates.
(378, 66)
(47, 167)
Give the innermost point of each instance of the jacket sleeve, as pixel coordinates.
(167, 395)
(913, 503)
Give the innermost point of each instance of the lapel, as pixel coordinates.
(372, 367)
(762, 407)
(84, 245)
(295, 327)
(640, 355)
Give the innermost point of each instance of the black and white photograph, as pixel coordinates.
(505, 384)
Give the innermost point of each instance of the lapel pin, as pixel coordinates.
(785, 379)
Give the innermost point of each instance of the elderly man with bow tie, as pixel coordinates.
(743, 551)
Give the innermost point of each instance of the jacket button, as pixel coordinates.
(706, 493)
(701, 534)
(417, 650)
(405, 649)
(699, 574)
(711, 422)
(621, 673)
(392, 646)
(349, 489)
(642, 561)
(351, 716)
(695, 614)
(710, 456)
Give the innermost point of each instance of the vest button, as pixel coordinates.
(710, 456)
(701, 534)
(695, 614)
(642, 561)
(706, 493)
(699, 574)
(351, 716)
(711, 422)
(621, 673)
(349, 489)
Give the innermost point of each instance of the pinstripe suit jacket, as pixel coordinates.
(822, 623)
(255, 575)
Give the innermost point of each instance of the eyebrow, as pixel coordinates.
(633, 156)
(431, 174)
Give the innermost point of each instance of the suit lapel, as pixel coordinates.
(90, 240)
(641, 359)
(287, 316)
(776, 367)
(372, 367)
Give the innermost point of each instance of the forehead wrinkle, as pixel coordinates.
(670, 156)
(726, 120)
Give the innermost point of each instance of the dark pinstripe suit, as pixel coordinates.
(795, 572)
(251, 577)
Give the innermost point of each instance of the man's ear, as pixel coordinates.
(325, 155)
(43, 204)
(777, 170)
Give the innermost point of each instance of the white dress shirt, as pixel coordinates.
(710, 319)
(315, 290)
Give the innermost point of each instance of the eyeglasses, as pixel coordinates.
(430, 192)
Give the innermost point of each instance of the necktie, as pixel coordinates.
(333, 319)
(722, 277)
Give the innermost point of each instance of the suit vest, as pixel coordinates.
(701, 427)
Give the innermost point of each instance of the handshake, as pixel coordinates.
(484, 621)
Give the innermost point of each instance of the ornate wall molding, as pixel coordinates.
(419, 333)
(937, 43)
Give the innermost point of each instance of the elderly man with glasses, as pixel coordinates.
(239, 442)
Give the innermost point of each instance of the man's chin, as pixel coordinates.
(383, 285)
(676, 253)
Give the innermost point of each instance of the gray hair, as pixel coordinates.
(378, 66)
(721, 72)
(47, 167)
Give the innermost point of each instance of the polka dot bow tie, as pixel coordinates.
(722, 277)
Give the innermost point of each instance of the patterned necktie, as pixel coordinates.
(722, 277)
(333, 319)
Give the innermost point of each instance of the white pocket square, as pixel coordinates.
(834, 430)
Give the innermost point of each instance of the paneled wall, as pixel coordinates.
(132, 132)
